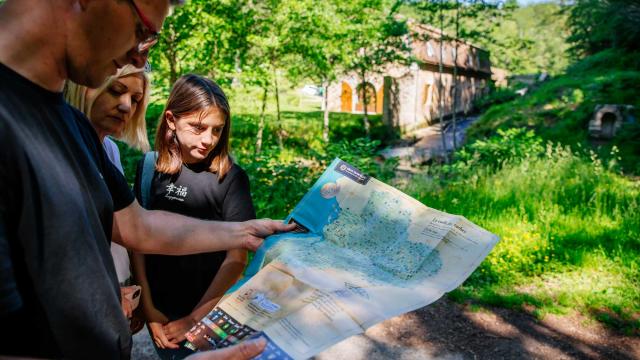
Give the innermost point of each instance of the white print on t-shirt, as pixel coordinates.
(179, 192)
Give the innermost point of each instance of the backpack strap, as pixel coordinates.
(148, 169)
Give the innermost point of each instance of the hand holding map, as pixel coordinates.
(363, 252)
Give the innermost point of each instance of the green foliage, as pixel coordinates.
(522, 40)
(597, 25)
(376, 36)
(280, 177)
(560, 109)
(541, 31)
(569, 227)
(495, 97)
(510, 145)
(361, 154)
(276, 185)
(605, 61)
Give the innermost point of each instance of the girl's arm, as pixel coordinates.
(230, 271)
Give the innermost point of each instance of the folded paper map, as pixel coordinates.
(362, 252)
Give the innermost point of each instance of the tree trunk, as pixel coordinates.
(261, 124)
(280, 130)
(440, 87)
(455, 78)
(325, 129)
(367, 126)
(171, 56)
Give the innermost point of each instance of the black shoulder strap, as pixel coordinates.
(148, 168)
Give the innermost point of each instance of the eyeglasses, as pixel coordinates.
(148, 35)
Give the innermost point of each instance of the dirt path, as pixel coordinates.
(429, 144)
(449, 331)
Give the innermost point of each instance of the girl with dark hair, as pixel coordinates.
(195, 176)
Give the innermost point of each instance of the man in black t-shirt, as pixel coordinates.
(61, 200)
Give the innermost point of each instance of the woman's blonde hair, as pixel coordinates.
(189, 95)
(135, 130)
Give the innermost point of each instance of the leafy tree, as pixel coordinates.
(321, 34)
(206, 37)
(378, 38)
(527, 39)
(597, 25)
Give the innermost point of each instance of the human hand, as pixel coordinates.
(243, 351)
(137, 321)
(254, 231)
(175, 330)
(155, 321)
(159, 337)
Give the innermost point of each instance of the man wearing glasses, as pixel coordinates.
(61, 200)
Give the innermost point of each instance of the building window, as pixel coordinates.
(430, 51)
(426, 95)
(366, 89)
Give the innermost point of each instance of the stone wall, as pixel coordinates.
(412, 97)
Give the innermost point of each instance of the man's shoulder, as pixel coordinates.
(81, 119)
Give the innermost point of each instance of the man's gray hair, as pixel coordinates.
(172, 2)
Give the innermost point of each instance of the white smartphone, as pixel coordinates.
(134, 296)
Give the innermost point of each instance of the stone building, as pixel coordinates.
(408, 95)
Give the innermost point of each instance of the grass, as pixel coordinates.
(569, 227)
(569, 220)
(568, 217)
(560, 109)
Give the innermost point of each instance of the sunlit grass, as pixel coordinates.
(559, 109)
(570, 235)
(569, 222)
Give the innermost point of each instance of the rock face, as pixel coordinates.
(607, 120)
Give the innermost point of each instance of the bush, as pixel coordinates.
(559, 110)
(569, 226)
(495, 97)
(508, 146)
(279, 179)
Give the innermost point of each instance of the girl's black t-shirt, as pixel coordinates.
(177, 283)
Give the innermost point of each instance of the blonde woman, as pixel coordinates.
(117, 109)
